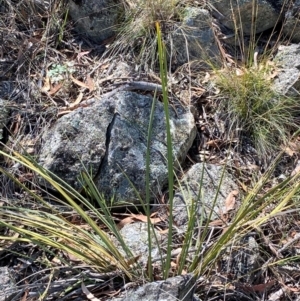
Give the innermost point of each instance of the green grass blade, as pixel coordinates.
(164, 80)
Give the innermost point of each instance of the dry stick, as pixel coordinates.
(125, 86)
(140, 85)
(288, 244)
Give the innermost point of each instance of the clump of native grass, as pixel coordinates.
(137, 34)
(248, 102)
(269, 216)
(253, 108)
(52, 229)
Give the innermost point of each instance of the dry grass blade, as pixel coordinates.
(93, 246)
(53, 231)
(249, 216)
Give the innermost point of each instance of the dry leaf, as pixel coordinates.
(178, 256)
(264, 286)
(289, 288)
(140, 217)
(61, 113)
(104, 66)
(296, 170)
(292, 148)
(15, 126)
(216, 223)
(24, 298)
(173, 264)
(90, 83)
(256, 288)
(71, 257)
(77, 101)
(47, 85)
(230, 200)
(143, 218)
(125, 221)
(81, 54)
(214, 143)
(244, 187)
(239, 72)
(53, 90)
(56, 261)
(206, 78)
(78, 82)
(288, 151)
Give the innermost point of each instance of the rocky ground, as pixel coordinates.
(72, 97)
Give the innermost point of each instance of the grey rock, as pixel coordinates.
(242, 260)
(109, 139)
(190, 191)
(291, 24)
(7, 285)
(288, 61)
(176, 288)
(194, 39)
(136, 239)
(239, 14)
(96, 19)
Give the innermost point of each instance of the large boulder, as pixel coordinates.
(194, 39)
(253, 17)
(242, 260)
(208, 186)
(109, 140)
(291, 25)
(240, 14)
(287, 59)
(96, 19)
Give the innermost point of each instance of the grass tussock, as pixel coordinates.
(84, 236)
(137, 35)
(75, 233)
(252, 108)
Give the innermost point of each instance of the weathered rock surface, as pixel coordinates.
(136, 239)
(242, 260)
(189, 191)
(176, 288)
(291, 25)
(288, 78)
(96, 19)
(239, 14)
(109, 138)
(194, 39)
(6, 283)
(249, 19)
